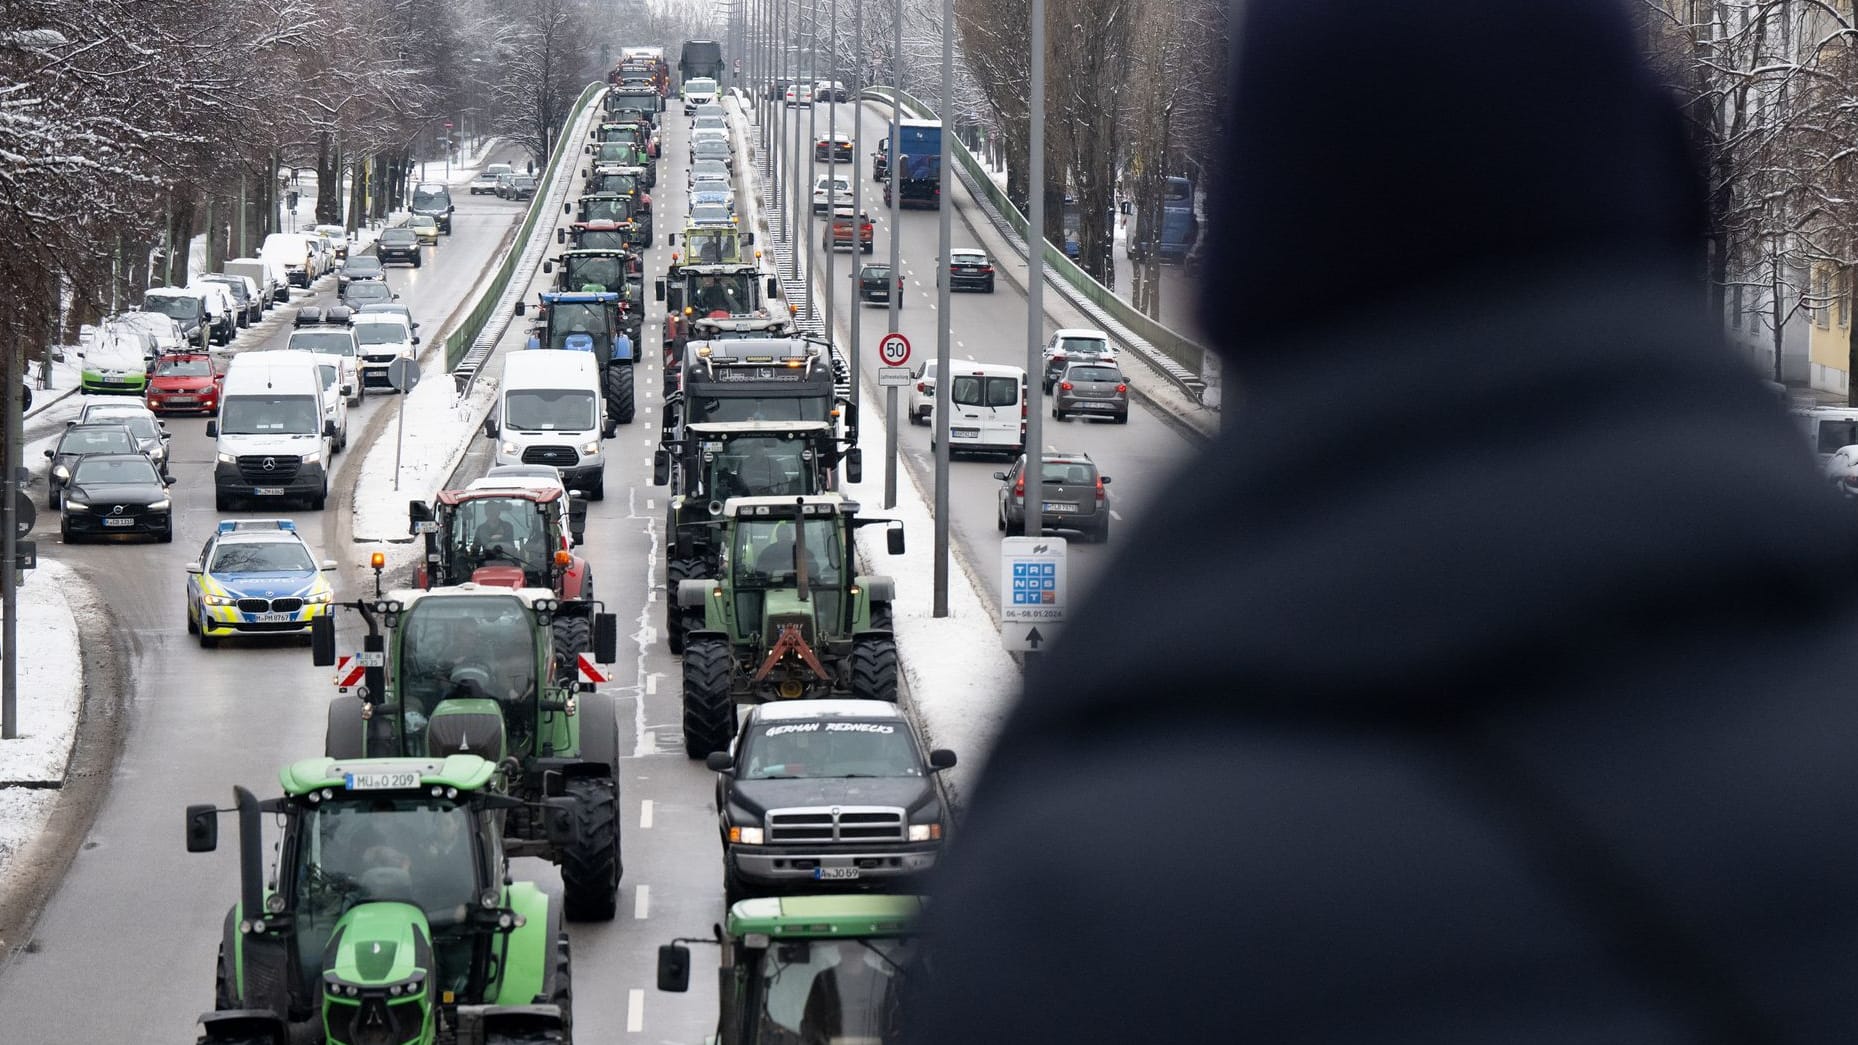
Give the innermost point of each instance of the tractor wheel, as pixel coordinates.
(599, 731)
(619, 399)
(882, 618)
(675, 571)
(874, 669)
(225, 992)
(562, 993)
(590, 870)
(573, 634)
(343, 737)
(709, 710)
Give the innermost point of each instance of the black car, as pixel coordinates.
(970, 269)
(874, 285)
(78, 442)
(367, 292)
(398, 244)
(360, 266)
(828, 794)
(116, 493)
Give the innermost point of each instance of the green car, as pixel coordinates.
(114, 363)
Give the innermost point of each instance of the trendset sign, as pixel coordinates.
(1033, 584)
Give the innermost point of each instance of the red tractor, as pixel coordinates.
(514, 528)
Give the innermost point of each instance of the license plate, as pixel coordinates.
(1097, 406)
(267, 491)
(834, 874)
(180, 399)
(119, 523)
(964, 433)
(1060, 508)
(273, 618)
(380, 781)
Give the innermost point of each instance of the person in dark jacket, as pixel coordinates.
(1500, 687)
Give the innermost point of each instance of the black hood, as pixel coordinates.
(756, 797)
(1375, 149)
(117, 493)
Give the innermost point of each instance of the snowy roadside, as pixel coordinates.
(51, 688)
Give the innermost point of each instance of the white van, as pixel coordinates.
(335, 401)
(1828, 428)
(549, 412)
(273, 282)
(338, 345)
(987, 411)
(384, 337)
(300, 258)
(272, 435)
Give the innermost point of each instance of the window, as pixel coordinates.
(538, 409)
(975, 390)
(262, 557)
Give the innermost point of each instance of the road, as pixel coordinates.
(136, 916)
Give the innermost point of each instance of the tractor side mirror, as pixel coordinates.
(577, 517)
(774, 287)
(748, 238)
(941, 758)
(322, 641)
(606, 638)
(329, 429)
(522, 307)
(561, 235)
(202, 828)
(212, 429)
(347, 390)
(674, 967)
(893, 539)
(661, 468)
(718, 761)
(567, 208)
(490, 428)
(854, 466)
(418, 512)
(548, 266)
(670, 239)
(657, 292)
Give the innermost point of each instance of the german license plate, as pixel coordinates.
(118, 523)
(1097, 406)
(834, 874)
(180, 400)
(1059, 507)
(273, 618)
(267, 491)
(964, 433)
(380, 781)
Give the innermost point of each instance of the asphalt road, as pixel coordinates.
(124, 950)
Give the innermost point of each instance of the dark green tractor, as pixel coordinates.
(495, 672)
(784, 617)
(388, 914)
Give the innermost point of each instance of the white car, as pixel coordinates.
(831, 191)
(800, 94)
(222, 309)
(922, 394)
(486, 180)
(336, 344)
(710, 122)
(337, 237)
(165, 331)
(384, 337)
(705, 134)
(698, 92)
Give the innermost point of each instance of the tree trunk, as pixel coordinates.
(328, 181)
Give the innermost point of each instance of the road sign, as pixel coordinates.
(403, 374)
(1032, 591)
(23, 514)
(448, 125)
(349, 671)
(590, 672)
(894, 377)
(893, 350)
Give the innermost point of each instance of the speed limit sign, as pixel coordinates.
(893, 350)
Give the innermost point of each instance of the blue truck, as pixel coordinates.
(1178, 226)
(917, 174)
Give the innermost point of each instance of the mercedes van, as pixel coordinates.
(272, 438)
(548, 411)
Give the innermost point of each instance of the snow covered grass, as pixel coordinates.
(439, 427)
(51, 696)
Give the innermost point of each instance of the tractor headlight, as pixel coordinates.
(747, 835)
(925, 832)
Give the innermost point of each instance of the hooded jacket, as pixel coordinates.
(1497, 684)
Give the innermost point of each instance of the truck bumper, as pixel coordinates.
(309, 481)
(790, 868)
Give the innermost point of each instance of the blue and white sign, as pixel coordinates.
(1032, 590)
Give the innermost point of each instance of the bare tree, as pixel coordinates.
(543, 71)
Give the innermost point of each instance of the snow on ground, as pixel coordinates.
(439, 427)
(50, 697)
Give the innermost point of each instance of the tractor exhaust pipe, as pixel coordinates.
(801, 580)
(251, 855)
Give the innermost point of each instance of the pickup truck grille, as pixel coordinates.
(252, 469)
(836, 825)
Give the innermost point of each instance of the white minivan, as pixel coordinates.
(272, 436)
(549, 411)
(334, 383)
(987, 413)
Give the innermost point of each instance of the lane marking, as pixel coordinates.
(651, 505)
(651, 684)
(1114, 514)
(642, 901)
(635, 1010)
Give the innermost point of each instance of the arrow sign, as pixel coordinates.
(1034, 639)
(590, 672)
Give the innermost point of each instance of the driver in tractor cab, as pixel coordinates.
(779, 557)
(712, 250)
(503, 538)
(712, 296)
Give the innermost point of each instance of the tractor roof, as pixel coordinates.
(782, 506)
(720, 429)
(580, 298)
(512, 487)
(464, 772)
(824, 917)
(408, 597)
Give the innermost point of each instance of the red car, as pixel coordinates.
(185, 383)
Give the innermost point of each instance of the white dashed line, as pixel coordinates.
(651, 685)
(635, 1011)
(645, 814)
(1114, 514)
(642, 901)
(651, 505)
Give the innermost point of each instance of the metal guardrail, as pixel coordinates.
(1181, 359)
(467, 347)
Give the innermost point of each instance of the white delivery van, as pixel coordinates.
(339, 345)
(384, 337)
(298, 256)
(1828, 428)
(272, 435)
(987, 412)
(548, 411)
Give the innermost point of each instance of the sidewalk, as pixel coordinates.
(51, 697)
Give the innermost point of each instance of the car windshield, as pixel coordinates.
(172, 305)
(114, 470)
(602, 239)
(617, 184)
(755, 466)
(449, 644)
(707, 183)
(363, 266)
(142, 426)
(368, 291)
(833, 990)
(549, 409)
(973, 390)
(700, 86)
(261, 557)
(1082, 346)
(575, 320)
(264, 415)
(1072, 473)
(430, 198)
(183, 368)
(709, 213)
(836, 184)
(414, 850)
(712, 147)
(96, 441)
(1092, 373)
(611, 208)
(876, 272)
(401, 236)
(380, 333)
(766, 550)
(1836, 434)
(829, 748)
(327, 342)
(758, 408)
(422, 221)
(509, 531)
(711, 245)
(729, 293)
(968, 259)
(709, 169)
(710, 123)
(616, 152)
(597, 272)
(235, 287)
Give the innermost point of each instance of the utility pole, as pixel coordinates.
(832, 170)
(812, 155)
(9, 549)
(946, 211)
(896, 256)
(1035, 282)
(857, 88)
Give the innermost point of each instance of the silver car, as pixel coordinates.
(1091, 390)
(1071, 495)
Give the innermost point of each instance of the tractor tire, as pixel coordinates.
(882, 617)
(874, 669)
(709, 710)
(344, 736)
(677, 570)
(619, 397)
(225, 996)
(573, 634)
(590, 871)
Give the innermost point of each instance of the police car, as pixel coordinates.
(255, 577)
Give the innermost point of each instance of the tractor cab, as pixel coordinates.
(502, 536)
(594, 271)
(598, 235)
(714, 245)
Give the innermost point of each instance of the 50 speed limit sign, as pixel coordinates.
(893, 350)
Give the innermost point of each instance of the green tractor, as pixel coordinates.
(784, 617)
(808, 968)
(712, 463)
(496, 672)
(388, 915)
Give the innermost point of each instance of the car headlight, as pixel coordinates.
(317, 598)
(61, 471)
(926, 832)
(228, 459)
(160, 506)
(746, 835)
(508, 448)
(590, 449)
(75, 506)
(312, 457)
(218, 600)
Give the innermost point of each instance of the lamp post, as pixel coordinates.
(942, 383)
(1035, 267)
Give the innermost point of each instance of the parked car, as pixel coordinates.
(114, 361)
(1071, 492)
(244, 293)
(187, 308)
(273, 282)
(222, 310)
(1091, 390)
(337, 238)
(163, 329)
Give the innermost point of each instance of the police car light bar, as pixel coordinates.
(236, 525)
